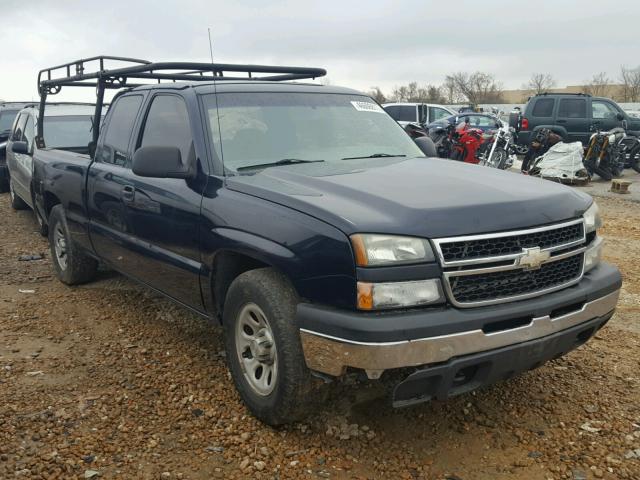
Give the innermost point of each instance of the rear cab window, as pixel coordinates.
(543, 107)
(114, 148)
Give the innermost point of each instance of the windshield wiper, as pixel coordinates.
(374, 155)
(279, 163)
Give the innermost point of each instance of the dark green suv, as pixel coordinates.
(572, 116)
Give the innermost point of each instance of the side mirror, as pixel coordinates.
(20, 147)
(619, 117)
(161, 162)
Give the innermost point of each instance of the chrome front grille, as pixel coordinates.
(507, 266)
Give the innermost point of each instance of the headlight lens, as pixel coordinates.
(375, 296)
(372, 250)
(593, 255)
(592, 220)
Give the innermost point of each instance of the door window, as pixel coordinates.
(436, 113)
(573, 108)
(6, 119)
(167, 124)
(29, 132)
(114, 149)
(602, 110)
(543, 107)
(19, 128)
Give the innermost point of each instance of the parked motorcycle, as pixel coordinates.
(499, 150)
(541, 142)
(604, 154)
(465, 142)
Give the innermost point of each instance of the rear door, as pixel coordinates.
(164, 213)
(572, 115)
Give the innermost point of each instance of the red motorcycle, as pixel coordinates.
(465, 142)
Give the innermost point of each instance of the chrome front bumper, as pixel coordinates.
(332, 355)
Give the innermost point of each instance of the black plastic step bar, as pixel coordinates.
(94, 72)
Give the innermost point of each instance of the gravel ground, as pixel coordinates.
(109, 380)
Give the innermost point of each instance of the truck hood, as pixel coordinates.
(422, 197)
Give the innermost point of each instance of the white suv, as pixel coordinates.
(422, 113)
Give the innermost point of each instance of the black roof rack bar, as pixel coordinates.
(92, 72)
(188, 71)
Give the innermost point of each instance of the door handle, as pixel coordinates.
(128, 193)
(561, 121)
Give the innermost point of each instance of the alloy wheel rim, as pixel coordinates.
(60, 247)
(256, 349)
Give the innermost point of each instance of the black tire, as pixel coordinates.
(4, 185)
(294, 386)
(634, 158)
(78, 266)
(603, 173)
(16, 202)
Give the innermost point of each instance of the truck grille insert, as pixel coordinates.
(507, 245)
(513, 283)
(502, 267)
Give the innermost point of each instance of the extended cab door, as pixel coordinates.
(109, 179)
(572, 115)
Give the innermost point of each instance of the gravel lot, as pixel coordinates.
(109, 380)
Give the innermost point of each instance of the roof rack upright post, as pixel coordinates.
(39, 127)
(97, 116)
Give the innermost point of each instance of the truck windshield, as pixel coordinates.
(68, 131)
(6, 119)
(265, 128)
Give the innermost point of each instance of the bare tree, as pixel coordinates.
(630, 78)
(598, 86)
(540, 82)
(413, 92)
(377, 95)
(476, 88)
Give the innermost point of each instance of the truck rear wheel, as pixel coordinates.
(72, 266)
(263, 347)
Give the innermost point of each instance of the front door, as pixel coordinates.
(164, 213)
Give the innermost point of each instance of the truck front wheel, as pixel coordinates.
(263, 347)
(72, 266)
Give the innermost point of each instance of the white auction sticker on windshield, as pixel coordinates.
(367, 107)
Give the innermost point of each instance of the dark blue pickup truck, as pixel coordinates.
(305, 220)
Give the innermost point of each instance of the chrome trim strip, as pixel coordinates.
(439, 241)
(478, 271)
(513, 298)
(332, 355)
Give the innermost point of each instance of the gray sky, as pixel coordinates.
(361, 44)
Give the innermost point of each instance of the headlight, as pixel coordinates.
(593, 255)
(375, 296)
(592, 220)
(372, 250)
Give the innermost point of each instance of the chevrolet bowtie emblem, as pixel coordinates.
(533, 258)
